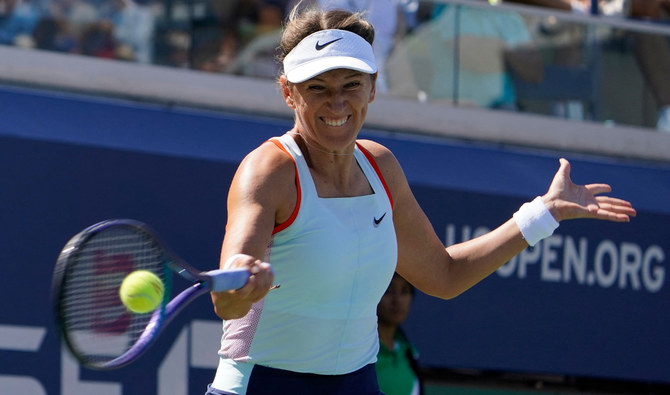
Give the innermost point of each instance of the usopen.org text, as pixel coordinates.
(584, 261)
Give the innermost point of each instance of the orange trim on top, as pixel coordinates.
(289, 221)
(372, 161)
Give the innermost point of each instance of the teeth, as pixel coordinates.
(335, 122)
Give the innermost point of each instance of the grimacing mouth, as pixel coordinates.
(335, 121)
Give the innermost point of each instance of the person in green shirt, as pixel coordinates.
(397, 360)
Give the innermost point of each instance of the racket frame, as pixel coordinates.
(204, 282)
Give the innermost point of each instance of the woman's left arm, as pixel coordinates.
(447, 272)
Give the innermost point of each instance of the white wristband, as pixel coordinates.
(535, 221)
(232, 259)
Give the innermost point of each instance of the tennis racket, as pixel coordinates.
(100, 332)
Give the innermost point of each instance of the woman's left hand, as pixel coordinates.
(566, 200)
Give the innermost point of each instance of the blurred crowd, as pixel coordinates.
(471, 56)
(117, 29)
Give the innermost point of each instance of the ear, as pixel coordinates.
(373, 91)
(286, 92)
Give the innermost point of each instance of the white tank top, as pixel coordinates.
(334, 260)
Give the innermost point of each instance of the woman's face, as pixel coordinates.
(395, 304)
(331, 107)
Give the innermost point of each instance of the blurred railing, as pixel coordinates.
(610, 69)
(467, 55)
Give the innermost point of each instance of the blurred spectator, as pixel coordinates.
(174, 48)
(98, 40)
(53, 34)
(61, 26)
(18, 19)
(255, 24)
(397, 361)
(77, 14)
(652, 51)
(133, 29)
(409, 10)
(250, 47)
(458, 57)
(257, 58)
(205, 23)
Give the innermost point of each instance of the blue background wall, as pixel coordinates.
(69, 161)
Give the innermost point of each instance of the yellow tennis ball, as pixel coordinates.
(141, 291)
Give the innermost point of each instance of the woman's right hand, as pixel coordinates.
(237, 303)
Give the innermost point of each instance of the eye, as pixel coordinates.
(352, 84)
(315, 87)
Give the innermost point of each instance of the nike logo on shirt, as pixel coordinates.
(322, 46)
(378, 221)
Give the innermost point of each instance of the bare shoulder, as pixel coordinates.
(387, 162)
(268, 162)
(265, 183)
(266, 175)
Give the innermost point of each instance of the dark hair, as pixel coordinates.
(302, 23)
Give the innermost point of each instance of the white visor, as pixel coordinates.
(328, 50)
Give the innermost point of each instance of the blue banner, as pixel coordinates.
(590, 301)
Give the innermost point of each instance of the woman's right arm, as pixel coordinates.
(262, 194)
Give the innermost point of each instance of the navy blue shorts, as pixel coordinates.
(264, 380)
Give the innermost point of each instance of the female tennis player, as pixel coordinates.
(335, 217)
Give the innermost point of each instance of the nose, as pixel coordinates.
(336, 101)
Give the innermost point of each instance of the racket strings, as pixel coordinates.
(99, 326)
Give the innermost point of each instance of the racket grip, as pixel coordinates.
(227, 279)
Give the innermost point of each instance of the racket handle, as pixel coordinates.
(227, 279)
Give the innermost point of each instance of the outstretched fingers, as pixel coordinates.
(569, 200)
(597, 189)
(609, 208)
(613, 209)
